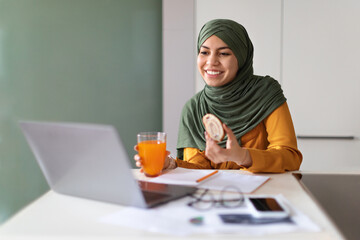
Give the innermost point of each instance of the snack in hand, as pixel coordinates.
(213, 127)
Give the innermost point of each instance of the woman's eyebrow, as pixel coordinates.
(220, 48)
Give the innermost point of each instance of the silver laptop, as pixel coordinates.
(89, 161)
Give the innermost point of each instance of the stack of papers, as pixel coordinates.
(183, 176)
(177, 219)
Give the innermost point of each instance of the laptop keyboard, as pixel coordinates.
(154, 196)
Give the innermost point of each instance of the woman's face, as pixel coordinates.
(216, 62)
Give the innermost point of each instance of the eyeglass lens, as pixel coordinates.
(230, 197)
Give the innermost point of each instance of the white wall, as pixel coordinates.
(178, 64)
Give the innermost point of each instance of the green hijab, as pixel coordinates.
(241, 104)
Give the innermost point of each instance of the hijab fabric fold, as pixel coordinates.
(241, 104)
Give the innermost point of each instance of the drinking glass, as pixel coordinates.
(152, 151)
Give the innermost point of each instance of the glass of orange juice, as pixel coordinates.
(152, 151)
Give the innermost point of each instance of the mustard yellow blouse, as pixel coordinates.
(272, 145)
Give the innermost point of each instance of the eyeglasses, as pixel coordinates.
(204, 200)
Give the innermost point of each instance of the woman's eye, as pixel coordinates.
(203, 53)
(225, 54)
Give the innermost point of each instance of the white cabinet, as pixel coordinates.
(321, 79)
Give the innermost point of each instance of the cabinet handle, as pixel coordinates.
(325, 137)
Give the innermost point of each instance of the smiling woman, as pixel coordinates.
(216, 62)
(260, 135)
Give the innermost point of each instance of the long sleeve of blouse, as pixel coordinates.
(272, 146)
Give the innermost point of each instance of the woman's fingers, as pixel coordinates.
(229, 132)
(137, 159)
(212, 149)
(231, 137)
(138, 162)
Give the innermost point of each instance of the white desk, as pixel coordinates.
(56, 216)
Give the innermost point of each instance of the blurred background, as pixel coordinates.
(79, 61)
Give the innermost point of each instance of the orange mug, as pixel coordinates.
(152, 151)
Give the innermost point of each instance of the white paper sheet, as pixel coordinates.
(174, 219)
(245, 182)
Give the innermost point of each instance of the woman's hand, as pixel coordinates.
(233, 151)
(138, 161)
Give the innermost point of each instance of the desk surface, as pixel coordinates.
(56, 216)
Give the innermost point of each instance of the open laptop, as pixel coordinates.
(90, 161)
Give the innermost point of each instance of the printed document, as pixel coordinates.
(247, 183)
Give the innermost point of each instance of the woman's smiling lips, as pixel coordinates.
(212, 73)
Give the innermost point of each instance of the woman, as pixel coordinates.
(260, 136)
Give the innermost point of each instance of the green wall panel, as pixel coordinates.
(96, 61)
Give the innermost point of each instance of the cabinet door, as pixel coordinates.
(321, 79)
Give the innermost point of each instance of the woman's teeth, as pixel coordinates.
(212, 72)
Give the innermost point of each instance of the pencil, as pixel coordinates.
(207, 176)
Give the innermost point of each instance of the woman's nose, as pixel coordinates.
(212, 60)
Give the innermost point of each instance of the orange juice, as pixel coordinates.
(152, 153)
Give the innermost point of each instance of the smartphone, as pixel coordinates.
(267, 207)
